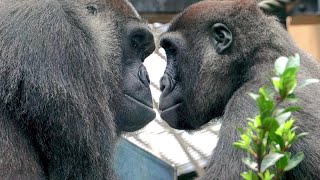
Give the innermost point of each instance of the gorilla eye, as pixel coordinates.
(92, 9)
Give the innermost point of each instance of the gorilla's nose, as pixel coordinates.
(144, 76)
(166, 84)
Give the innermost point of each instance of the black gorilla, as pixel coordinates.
(71, 73)
(218, 52)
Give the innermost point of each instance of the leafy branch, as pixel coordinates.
(271, 133)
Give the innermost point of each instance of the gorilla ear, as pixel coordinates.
(222, 37)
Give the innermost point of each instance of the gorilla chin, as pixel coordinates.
(139, 113)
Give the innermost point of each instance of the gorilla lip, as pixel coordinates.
(138, 102)
(170, 115)
(170, 109)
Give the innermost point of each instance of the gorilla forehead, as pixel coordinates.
(209, 11)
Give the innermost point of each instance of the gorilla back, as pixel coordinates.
(64, 70)
(218, 52)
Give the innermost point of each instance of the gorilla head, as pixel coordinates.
(123, 40)
(198, 81)
(71, 78)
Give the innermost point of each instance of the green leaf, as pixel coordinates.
(276, 83)
(240, 130)
(287, 125)
(249, 176)
(283, 162)
(289, 75)
(278, 139)
(257, 121)
(251, 125)
(251, 164)
(250, 119)
(291, 136)
(254, 96)
(294, 161)
(270, 160)
(281, 118)
(271, 124)
(308, 82)
(291, 86)
(267, 175)
(294, 61)
(292, 98)
(265, 93)
(280, 65)
(246, 139)
(265, 107)
(240, 145)
(292, 109)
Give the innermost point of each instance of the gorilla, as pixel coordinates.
(71, 80)
(218, 52)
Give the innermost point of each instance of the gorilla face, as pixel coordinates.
(199, 78)
(121, 26)
(138, 106)
(137, 43)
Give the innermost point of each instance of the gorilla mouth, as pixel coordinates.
(172, 107)
(170, 115)
(137, 115)
(173, 118)
(143, 104)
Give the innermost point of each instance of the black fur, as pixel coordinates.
(202, 84)
(62, 64)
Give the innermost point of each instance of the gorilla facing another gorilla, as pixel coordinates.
(71, 80)
(218, 52)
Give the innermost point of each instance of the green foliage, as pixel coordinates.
(271, 133)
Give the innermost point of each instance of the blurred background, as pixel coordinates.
(160, 152)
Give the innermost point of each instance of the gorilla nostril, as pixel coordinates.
(166, 85)
(162, 83)
(144, 76)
